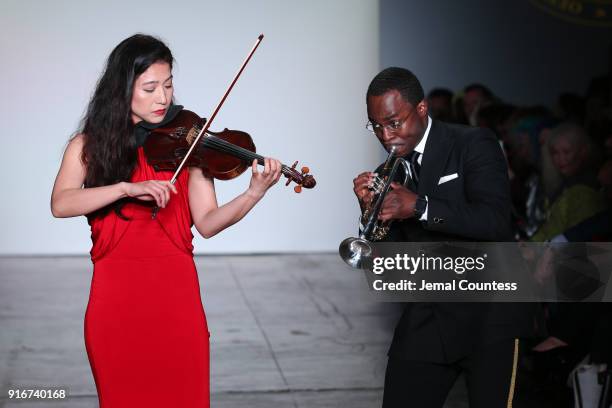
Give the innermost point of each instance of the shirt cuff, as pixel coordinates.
(424, 216)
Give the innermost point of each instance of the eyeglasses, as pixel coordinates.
(392, 126)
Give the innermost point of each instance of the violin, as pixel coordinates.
(223, 155)
(174, 147)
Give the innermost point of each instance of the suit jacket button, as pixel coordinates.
(436, 220)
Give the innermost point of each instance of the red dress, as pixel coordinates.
(145, 329)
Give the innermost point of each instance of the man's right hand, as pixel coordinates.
(361, 188)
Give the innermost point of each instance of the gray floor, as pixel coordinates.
(287, 331)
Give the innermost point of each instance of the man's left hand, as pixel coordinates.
(398, 204)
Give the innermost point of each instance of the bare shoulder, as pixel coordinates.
(74, 149)
(73, 155)
(76, 142)
(72, 171)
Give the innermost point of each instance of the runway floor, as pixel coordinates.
(286, 331)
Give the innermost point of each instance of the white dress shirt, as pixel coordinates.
(420, 147)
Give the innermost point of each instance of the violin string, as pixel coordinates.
(222, 145)
(247, 154)
(233, 148)
(230, 148)
(240, 151)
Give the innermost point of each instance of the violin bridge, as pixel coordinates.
(193, 133)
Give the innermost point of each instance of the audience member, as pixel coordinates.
(440, 102)
(475, 97)
(578, 198)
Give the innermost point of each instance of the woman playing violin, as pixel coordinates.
(145, 329)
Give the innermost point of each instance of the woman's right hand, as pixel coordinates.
(158, 190)
(70, 199)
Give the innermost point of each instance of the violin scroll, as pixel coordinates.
(301, 179)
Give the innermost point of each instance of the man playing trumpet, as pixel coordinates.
(459, 191)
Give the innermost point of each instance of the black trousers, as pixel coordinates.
(490, 375)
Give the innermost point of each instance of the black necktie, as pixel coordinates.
(415, 167)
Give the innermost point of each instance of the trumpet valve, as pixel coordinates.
(377, 184)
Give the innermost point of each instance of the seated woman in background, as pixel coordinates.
(578, 198)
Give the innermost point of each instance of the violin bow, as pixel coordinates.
(212, 117)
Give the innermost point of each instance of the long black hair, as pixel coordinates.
(110, 151)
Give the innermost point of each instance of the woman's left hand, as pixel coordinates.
(262, 181)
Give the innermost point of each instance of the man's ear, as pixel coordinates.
(422, 108)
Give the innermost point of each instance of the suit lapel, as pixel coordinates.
(437, 148)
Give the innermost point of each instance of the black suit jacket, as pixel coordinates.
(474, 206)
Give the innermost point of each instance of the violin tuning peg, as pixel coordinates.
(297, 188)
(288, 182)
(294, 164)
(305, 170)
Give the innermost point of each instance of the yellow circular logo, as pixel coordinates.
(586, 12)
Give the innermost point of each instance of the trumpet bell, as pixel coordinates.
(355, 251)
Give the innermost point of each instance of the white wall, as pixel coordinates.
(301, 98)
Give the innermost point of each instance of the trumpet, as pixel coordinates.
(355, 250)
